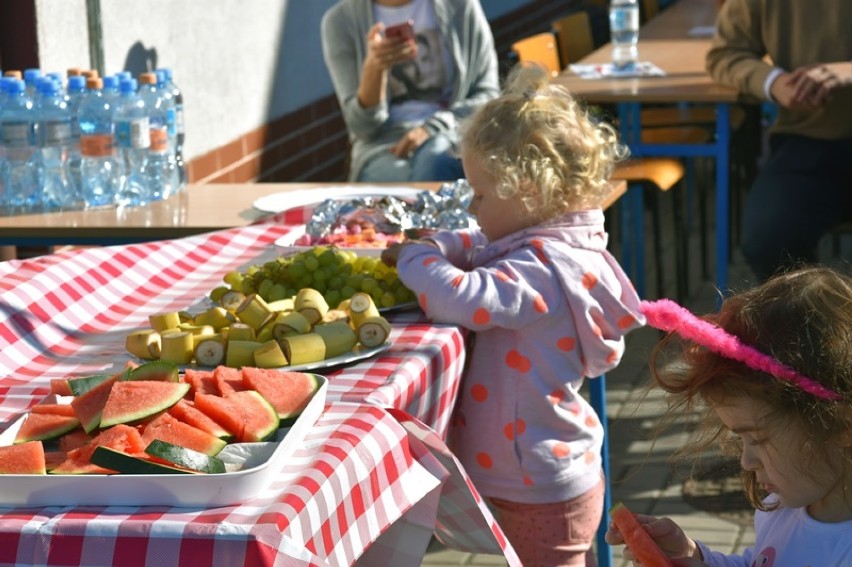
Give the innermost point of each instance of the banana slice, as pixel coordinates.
(373, 331)
(361, 308)
(338, 336)
(210, 351)
(240, 353)
(232, 300)
(254, 311)
(164, 321)
(177, 347)
(310, 303)
(269, 355)
(303, 349)
(241, 332)
(143, 344)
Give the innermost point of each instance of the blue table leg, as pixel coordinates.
(723, 137)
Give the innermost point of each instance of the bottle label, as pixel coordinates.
(56, 133)
(97, 145)
(159, 140)
(135, 134)
(18, 134)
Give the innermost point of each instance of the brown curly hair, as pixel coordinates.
(803, 318)
(537, 139)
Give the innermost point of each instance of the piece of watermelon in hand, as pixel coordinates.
(637, 540)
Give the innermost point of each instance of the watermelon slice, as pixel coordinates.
(155, 370)
(73, 439)
(26, 458)
(288, 392)
(122, 462)
(246, 414)
(637, 540)
(44, 426)
(169, 429)
(202, 381)
(186, 412)
(133, 401)
(120, 437)
(183, 457)
(60, 387)
(90, 405)
(55, 409)
(228, 380)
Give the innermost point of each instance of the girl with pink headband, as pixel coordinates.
(771, 374)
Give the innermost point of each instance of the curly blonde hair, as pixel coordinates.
(537, 140)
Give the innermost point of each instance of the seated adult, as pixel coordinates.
(402, 99)
(805, 186)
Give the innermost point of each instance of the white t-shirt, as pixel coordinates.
(420, 87)
(789, 537)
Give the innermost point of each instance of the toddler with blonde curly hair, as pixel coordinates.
(548, 306)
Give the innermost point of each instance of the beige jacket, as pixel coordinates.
(792, 33)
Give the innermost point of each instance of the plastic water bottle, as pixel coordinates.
(31, 77)
(133, 138)
(54, 143)
(99, 168)
(74, 95)
(162, 167)
(20, 168)
(624, 33)
(180, 129)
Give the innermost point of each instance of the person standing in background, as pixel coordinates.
(805, 186)
(402, 99)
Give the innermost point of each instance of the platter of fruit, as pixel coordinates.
(298, 333)
(202, 438)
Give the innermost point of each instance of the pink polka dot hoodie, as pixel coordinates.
(549, 305)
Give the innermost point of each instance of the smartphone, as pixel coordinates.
(403, 31)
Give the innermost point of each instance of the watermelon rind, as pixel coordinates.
(288, 392)
(233, 412)
(89, 406)
(122, 462)
(156, 370)
(159, 397)
(79, 386)
(186, 458)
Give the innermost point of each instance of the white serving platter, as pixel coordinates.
(358, 353)
(284, 201)
(191, 490)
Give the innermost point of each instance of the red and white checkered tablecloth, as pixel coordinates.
(365, 474)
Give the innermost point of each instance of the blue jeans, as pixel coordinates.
(800, 193)
(434, 160)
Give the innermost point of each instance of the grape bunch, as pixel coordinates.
(336, 273)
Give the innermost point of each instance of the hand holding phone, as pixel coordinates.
(402, 31)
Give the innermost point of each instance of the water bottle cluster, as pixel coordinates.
(89, 141)
(624, 33)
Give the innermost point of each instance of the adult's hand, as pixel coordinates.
(815, 84)
(783, 90)
(383, 53)
(410, 141)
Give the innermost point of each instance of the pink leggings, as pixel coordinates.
(553, 534)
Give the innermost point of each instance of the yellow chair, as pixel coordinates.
(539, 48)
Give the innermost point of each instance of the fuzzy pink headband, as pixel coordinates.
(668, 316)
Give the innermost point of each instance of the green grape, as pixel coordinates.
(345, 269)
(311, 263)
(276, 292)
(369, 284)
(264, 287)
(333, 297)
(335, 282)
(233, 278)
(296, 270)
(354, 281)
(305, 281)
(320, 275)
(377, 294)
(319, 286)
(402, 294)
(369, 264)
(387, 299)
(358, 263)
(217, 293)
(347, 291)
(328, 257)
(390, 278)
(291, 292)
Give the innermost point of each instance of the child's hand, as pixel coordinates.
(391, 253)
(667, 535)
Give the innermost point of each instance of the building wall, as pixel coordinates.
(259, 104)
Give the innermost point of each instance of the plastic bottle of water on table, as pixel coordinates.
(20, 168)
(180, 128)
(53, 133)
(133, 138)
(75, 92)
(99, 168)
(624, 33)
(163, 180)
